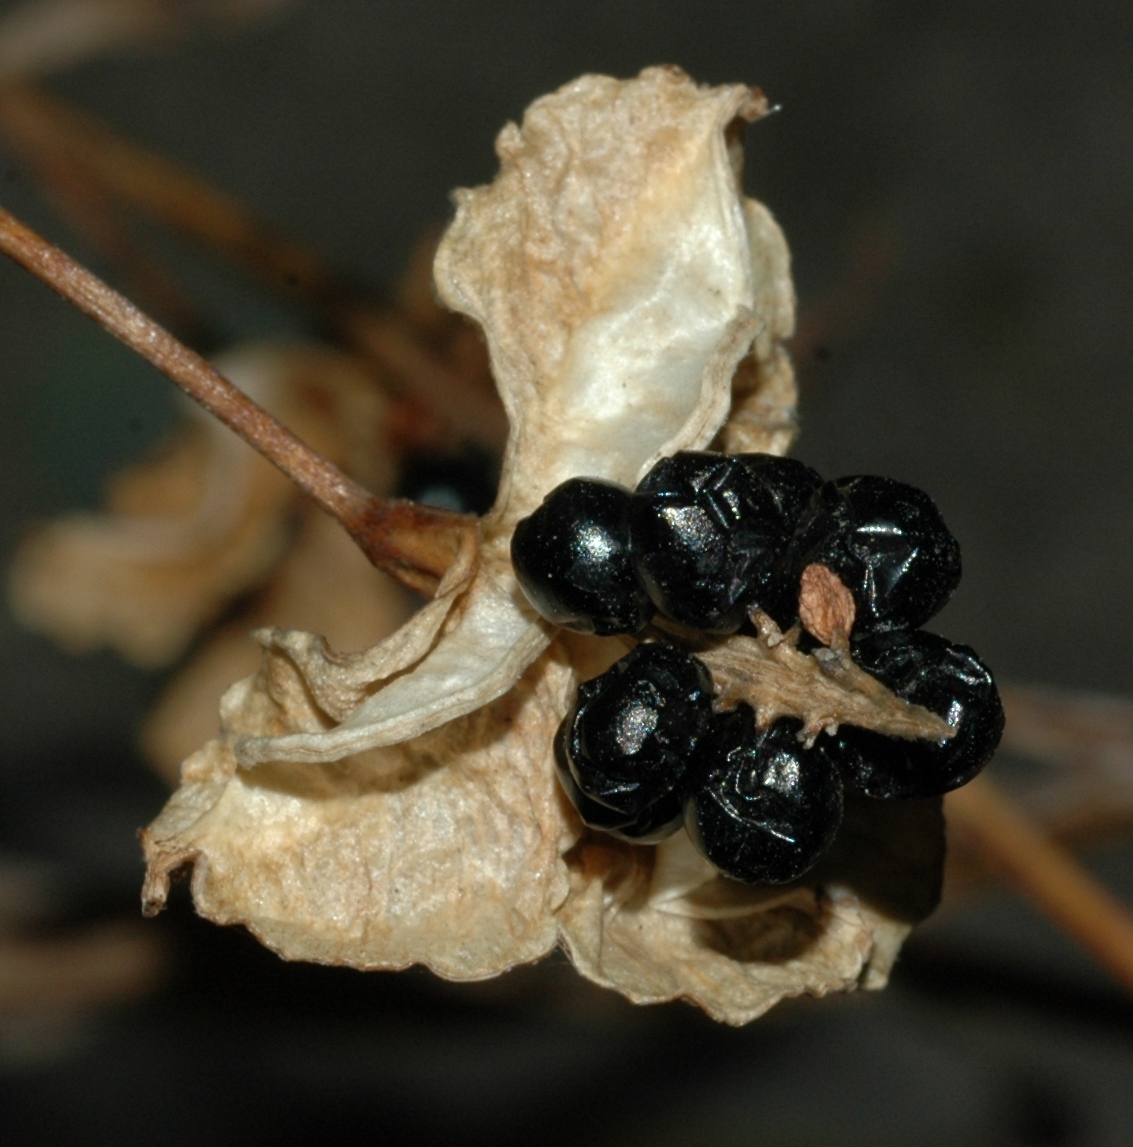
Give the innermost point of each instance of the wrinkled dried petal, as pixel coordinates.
(610, 266)
(490, 644)
(325, 584)
(445, 852)
(143, 586)
(735, 968)
(839, 930)
(340, 682)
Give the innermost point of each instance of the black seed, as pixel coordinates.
(572, 560)
(652, 824)
(627, 742)
(763, 808)
(952, 682)
(792, 483)
(888, 544)
(707, 531)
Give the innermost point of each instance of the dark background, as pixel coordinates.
(956, 183)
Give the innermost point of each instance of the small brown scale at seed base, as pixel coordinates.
(826, 606)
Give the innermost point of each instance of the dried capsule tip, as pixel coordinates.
(826, 606)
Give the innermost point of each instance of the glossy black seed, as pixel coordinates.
(572, 559)
(791, 483)
(652, 824)
(707, 531)
(627, 742)
(763, 808)
(948, 679)
(888, 544)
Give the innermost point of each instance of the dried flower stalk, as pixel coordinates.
(567, 261)
(60, 141)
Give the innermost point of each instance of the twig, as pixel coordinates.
(416, 544)
(173, 196)
(1083, 742)
(1050, 875)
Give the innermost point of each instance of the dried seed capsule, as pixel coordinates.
(888, 544)
(572, 559)
(948, 679)
(626, 744)
(708, 530)
(763, 808)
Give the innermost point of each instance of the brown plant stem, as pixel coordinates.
(416, 544)
(171, 195)
(1048, 873)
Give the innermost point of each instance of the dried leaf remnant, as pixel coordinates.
(824, 690)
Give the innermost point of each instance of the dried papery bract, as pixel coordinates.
(398, 805)
(444, 851)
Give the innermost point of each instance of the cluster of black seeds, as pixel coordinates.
(704, 540)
